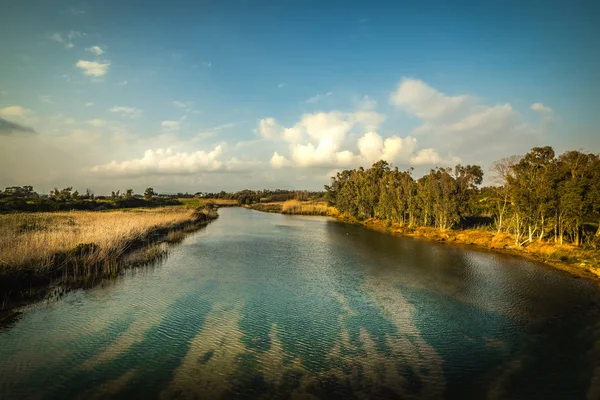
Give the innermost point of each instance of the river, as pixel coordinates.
(275, 306)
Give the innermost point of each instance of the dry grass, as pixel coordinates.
(305, 207)
(195, 203)
(33, 239)
(272, 207)
(576, 260)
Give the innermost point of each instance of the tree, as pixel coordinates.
(129, 194)
(149, 193)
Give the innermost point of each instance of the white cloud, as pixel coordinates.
(15, 111)
(207, 64)
(89, 104)
(540, 107)
(123, 83)
(372, 148)
(426, 156)
(57, 37)
(67, 39)
(366, 103)
(171, 125)
(459, 123)
(332, 126)
(280, 85)
(97, 50)
(168, 162)
(97, 122)
(93, 68)
(278, 161)
(424, 101)
(130, 112)
(268, 128)
(322, 140)
(74, 34)
(318, 97)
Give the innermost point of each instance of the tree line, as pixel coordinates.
(538, 196)
(25, 198)
(248, 196)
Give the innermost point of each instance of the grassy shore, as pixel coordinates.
(575, 260)
(294, 207)
(81, 246)
(200, 202)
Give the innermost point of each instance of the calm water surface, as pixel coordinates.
(272, 306)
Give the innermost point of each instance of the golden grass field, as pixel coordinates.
(32, 239)
(306, 207)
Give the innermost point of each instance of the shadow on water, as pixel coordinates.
(153, 359)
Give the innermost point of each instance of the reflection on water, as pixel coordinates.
(266, 305)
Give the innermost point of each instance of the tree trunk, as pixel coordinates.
(556, 227)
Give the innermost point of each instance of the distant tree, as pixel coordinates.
(115, 195)
(149, 193)
(129, 194)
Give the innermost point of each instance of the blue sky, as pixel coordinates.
(189, 96)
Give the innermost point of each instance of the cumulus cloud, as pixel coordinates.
(425, 157)
(424, 101)
(540, 107)
(460, 123)
(97, 50)
(327, 127)
(169, 162)
(93, 68)
(8, 128)
(278, 161)
(322, 140)
(130, 112)
(268, 128)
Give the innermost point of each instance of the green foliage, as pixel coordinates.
(537, 196)
(26, 199)
(393, 195)
(149, 193)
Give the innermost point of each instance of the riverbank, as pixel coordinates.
(575, 260)
(80, 247)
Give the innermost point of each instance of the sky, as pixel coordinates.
(227, 95)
